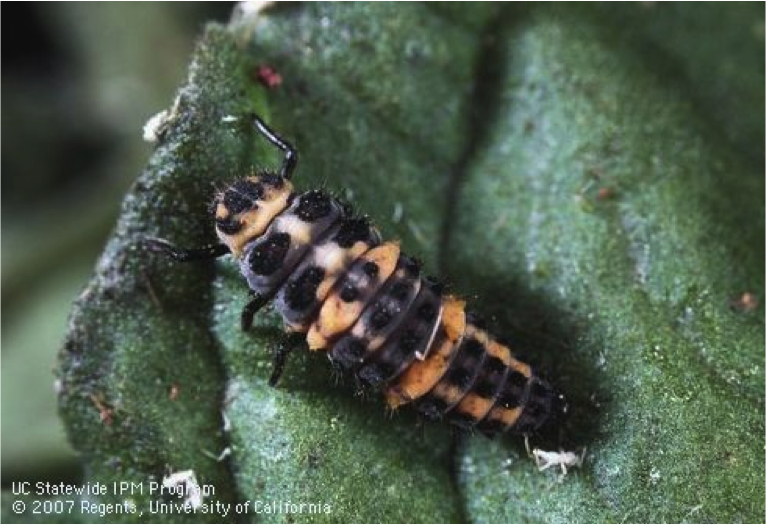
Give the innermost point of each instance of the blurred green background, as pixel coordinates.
(79, 82)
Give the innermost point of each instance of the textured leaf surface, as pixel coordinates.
(553, 167)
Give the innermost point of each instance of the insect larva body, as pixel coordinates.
(366, 304)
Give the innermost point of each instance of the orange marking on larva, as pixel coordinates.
(336, 316)
(507, 416)
(221, 211)
(520, 367)
(421, 376)
(255, 221)
(453, 319)
(475, 406)
(502, 352)
(334, 268)
(447, 392)
(480, 335)
(337, 266)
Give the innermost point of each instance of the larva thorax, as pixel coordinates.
(367, 305)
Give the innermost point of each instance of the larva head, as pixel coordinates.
(245, 209)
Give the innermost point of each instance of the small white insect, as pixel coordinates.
(154, 125)
(546, 459)
(398, 212)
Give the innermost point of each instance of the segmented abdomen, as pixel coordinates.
(368, 306)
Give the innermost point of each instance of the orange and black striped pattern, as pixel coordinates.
(367, 305)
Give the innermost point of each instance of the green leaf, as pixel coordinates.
(552, 167)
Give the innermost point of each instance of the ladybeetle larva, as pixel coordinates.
(367, 305)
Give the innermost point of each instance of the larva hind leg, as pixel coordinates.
(251, 308)
(210, 251)
(282, 349)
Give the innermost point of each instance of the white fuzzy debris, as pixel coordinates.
(546, 459)
(153, 126)
(223, 455)
(229, 118)
(416, 232)
(220, 457)
(398, 211)
(654, 476)
(185, 483)
(156, 125)
(253, 7)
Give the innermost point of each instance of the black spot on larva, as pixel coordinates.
(400, 290)
(427, 312)
(235, 202)
(516, 379)
(250, 189)
(370, 269)
(485, 388)
(491, 427)
(433, 407)
(461, 377)
(490, 378)
(242, 195)
(349, 293)
(513, 391)
(408, 341)
(525, 424)
(301, 292)
(380, 317)
(538, 390)
(313, 205)
(272, 179)
(348, 352)
(534, 408)
(495, 365)
(267, 257)
(375, 374)
(352, 231)
(229, 225)
(462, 419)
(410, 265)
(436, 286)
(473, 348)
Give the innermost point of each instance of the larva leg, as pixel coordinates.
(211, 251)
(282, 349)
(291, 154)
(250, 309)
